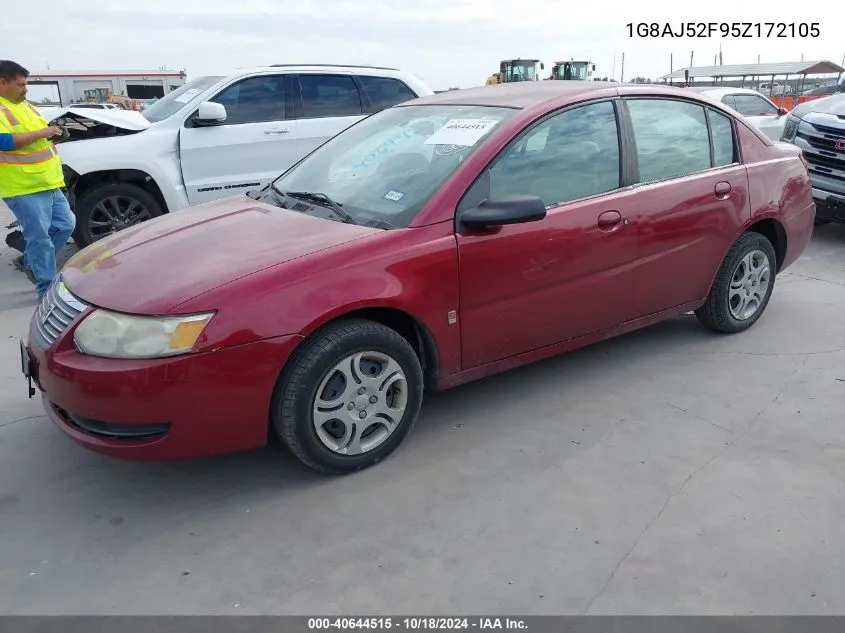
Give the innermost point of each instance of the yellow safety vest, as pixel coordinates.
(33, 168)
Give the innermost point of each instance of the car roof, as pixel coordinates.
(525, 94)
(349, 68)
(514, 95)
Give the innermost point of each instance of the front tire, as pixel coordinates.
(349, 396)
(110, 208)
(743, 286)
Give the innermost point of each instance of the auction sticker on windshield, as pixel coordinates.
(461, 132)
(187, 95)
(395, 196)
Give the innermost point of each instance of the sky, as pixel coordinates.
(449, 43)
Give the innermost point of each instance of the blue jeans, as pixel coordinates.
(47, 224)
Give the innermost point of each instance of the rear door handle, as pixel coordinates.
(610, 220)
(722, 189)
(277, 130)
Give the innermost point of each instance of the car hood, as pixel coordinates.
(155, 266)
(834, 105)
(125, 119)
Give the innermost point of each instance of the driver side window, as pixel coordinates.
(254, 100)
(571, 155)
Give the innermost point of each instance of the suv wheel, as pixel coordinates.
(743, 286)
(110, 208)
(348, 397)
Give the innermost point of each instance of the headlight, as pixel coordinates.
(790, 129)
(115, 335)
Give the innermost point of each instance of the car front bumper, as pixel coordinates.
(183, 407)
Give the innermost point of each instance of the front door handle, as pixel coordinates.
(610, 220)
(277, 130)
(722, 189)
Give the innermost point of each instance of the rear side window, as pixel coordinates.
(329, 96)
(385, 92)
(752, 105)
(728, 100)
(722, 132)
(672, 138)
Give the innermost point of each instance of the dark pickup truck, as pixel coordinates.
(818, 128)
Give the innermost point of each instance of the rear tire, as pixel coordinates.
(121, 204)
(743, 286)
(348, 397)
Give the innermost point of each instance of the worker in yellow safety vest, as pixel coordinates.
(31, 178)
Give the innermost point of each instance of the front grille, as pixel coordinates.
(826, 165)
(818, 143)
(833, 131)
(826, 142)
(56, 312)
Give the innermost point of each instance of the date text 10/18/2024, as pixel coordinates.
(724, 29)
(416, 623)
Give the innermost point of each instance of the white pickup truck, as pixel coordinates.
(212, 137)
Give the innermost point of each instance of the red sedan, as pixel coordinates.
(431, 244)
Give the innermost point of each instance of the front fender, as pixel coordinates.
(413, 271)
(149, 152)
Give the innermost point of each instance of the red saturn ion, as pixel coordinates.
(434, 243)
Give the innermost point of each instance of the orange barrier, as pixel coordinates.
(790, 102)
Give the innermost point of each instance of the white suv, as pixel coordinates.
(212, 137)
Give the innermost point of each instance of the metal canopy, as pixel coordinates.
(758, 70)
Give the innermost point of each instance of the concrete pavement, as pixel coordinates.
(667, 471)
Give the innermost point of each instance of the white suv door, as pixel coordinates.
(254, 145)
(761, 112)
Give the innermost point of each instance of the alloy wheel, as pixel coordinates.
(114, 214)
(360, 403)
(749, 285)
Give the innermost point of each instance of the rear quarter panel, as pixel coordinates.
(779, 188)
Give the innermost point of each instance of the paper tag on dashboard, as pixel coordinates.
(461, 132)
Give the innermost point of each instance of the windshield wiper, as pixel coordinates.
(321, 197)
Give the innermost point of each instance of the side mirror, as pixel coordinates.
(512, 209)
(210, 113)
(782, 111)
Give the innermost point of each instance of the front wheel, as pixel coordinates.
(112, 207)
(349, 397)
(743, 286)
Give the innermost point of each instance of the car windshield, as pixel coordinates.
(385, 168)
(174, 101)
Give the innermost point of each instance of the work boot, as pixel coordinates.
(18, 263)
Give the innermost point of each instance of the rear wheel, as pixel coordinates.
(349, 397)
(112, 207)
(743, 286)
